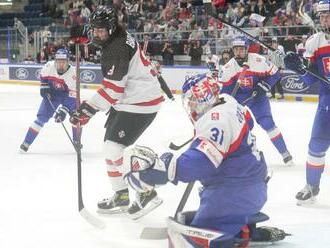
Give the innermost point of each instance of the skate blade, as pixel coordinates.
(290, 164)
(308, 202)
(116, 210)
(147, 209)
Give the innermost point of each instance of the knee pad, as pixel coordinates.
(267, 123)
(318, 146)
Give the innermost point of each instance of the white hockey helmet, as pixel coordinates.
(199, 94)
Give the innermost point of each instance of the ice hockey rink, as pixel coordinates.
(38, 190)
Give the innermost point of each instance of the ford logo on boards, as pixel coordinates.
(37, 73)
(87, 76)
(294, 84)
(22, 73)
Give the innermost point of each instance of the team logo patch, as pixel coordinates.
(326, 64)
(246, 82)
(121, 134)
(111, 71)
(215, 116)
(135, 165)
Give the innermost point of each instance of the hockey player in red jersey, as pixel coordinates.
(131, 95)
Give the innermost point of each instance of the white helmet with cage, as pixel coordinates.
(199, 94)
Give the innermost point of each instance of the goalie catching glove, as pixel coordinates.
(83, 114)
(146, 170)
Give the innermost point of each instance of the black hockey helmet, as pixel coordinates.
(104, 17)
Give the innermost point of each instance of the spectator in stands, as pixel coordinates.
(277, 85)
(84, 13)
(195, 52)
(300, 49)
(168, 54)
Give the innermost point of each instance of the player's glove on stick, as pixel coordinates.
(83, 114)
(145, 170)
(293, 62)
(60, 114)
(45, 90)
(260, 89)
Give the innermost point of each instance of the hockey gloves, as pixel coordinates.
(260, 89)
(293, 62)
(45, 90)
(144, 170)
(83, 114)
(60, 114)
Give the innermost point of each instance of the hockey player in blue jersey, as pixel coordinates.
(223, 157)
(58, 90)
(248, 77)
(318, 54)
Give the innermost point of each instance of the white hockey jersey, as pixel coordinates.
(128, 84)
(60, 84)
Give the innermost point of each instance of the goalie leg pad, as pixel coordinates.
(182, 236)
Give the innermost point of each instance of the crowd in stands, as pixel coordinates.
(176, 27)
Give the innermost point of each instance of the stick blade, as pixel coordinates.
(91, 219)
(154, 233)
(173, 146)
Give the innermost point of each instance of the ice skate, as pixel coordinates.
(307, 195)
(116, 204)
(144, 204)
(24, 148)
(287, 159)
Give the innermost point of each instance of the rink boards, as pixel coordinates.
(91, 77)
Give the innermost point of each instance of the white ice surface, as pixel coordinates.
(38, 190)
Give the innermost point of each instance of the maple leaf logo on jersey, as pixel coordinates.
(326, 64)
(111, 71)
(215, 116)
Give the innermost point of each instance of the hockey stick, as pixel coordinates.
(155, 233)
(65, 129)
(90, 218)
(83, 212)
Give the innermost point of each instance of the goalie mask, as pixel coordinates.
(323, 11)
(240, 49)
(199, 96)
(103, 22)
(62, 60)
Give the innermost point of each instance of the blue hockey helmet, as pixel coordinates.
(239, 53)
(240, 41)
(323, 6)
(62, 60)
(62, 53)
(199, 95)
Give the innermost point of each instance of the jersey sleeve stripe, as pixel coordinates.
(151, 103)
(235, 145)
(113, 86)
(106, 96)
(52, 79)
